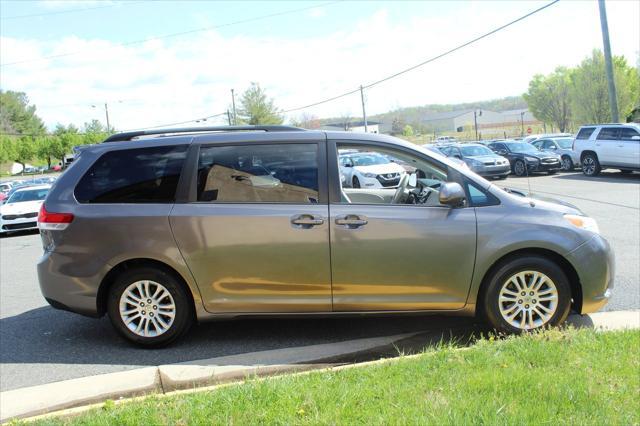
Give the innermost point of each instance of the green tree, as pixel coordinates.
(17, 116)
(257, 108)
(63, 141)
(6, 148)
(589, 94)
(94, 132)
(549, 98)
(407, 131)
(24, 149)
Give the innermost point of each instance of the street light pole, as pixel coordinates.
(364, 113)
(522, 124)
(476, 114)
(233, 103)
(106, 113)
(613, 103)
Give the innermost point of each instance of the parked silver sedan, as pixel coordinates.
(563, 146)
(480, 159)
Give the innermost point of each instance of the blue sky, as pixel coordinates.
(299, 57)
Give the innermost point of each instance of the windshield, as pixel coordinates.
(521, 147)
(475, 150)
(565, 143)
(30, 195)
(369, 160)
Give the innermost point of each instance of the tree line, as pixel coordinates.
(570, 97)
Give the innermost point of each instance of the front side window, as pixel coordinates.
(275, 173)
(608, 133)
(565, 143)
(141, 175)
(585, 132)
(626, 134)
(521, 147)
(396, 177)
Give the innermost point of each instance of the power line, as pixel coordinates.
(60, 12)
(178, 34)
(439, 56)
(178, 123)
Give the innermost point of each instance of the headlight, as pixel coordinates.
(369, 175)
(531, 159)
(583, 222)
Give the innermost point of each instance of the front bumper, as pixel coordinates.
(498, 170)
(594, 262)
(19, 224)
(544, 167)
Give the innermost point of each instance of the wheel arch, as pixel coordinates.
(561, 261)
(111, 276)
(587, 151)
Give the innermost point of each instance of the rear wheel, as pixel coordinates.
(355, 182)
(590, 165)
(149, 307)
(525, 294)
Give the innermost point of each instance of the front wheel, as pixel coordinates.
(519, 168)
(526, 294)
(149, 307)
(566, 163)
(355, 183)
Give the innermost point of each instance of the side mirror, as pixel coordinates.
(501, 152)
(452, 195)
(348, 165)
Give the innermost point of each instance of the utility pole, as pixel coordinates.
(106, 113)
(475, 121)
(522, 123)
(229, 117)
(233, 103)
(364, 113)
(613, 99)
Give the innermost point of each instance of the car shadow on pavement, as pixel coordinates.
(48, 336)
(606, 176)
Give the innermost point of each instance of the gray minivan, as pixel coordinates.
(160, 229)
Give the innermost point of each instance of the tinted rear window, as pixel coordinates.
(627, 133)
(585, 132)
(144, 175)
(608, 133)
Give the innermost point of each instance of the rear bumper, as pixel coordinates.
(594, 262)
(75, 294)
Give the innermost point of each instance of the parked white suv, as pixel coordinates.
(603, 146)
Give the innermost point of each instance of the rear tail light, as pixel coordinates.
(53, 221)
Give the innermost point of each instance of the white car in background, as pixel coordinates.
(20, 211)
(608, 146)
(369, 170)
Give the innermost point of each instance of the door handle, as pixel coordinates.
(351, 221)
(306, 221)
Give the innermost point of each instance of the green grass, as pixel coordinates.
(555, 377)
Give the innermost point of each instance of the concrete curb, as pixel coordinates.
(194, 375)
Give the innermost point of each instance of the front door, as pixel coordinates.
(256, 235)
(396, 248)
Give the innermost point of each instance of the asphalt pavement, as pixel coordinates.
(40, 345)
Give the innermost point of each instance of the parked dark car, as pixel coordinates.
(526, 158)
(479, 159)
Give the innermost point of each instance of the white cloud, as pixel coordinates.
(177, 79)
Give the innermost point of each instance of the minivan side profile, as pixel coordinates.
(160, 229)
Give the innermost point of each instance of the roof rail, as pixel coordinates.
(127, 136)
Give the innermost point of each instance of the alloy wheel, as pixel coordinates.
(588, 166)
(147, 308)
(566, 164)
(519, 168)
(528, 300)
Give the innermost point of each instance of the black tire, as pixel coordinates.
(590, 165)
(355, 182)
(552, 172)
(502, 177)
(489, 299)
(183, 306)
(520, 168)
(567, 163)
